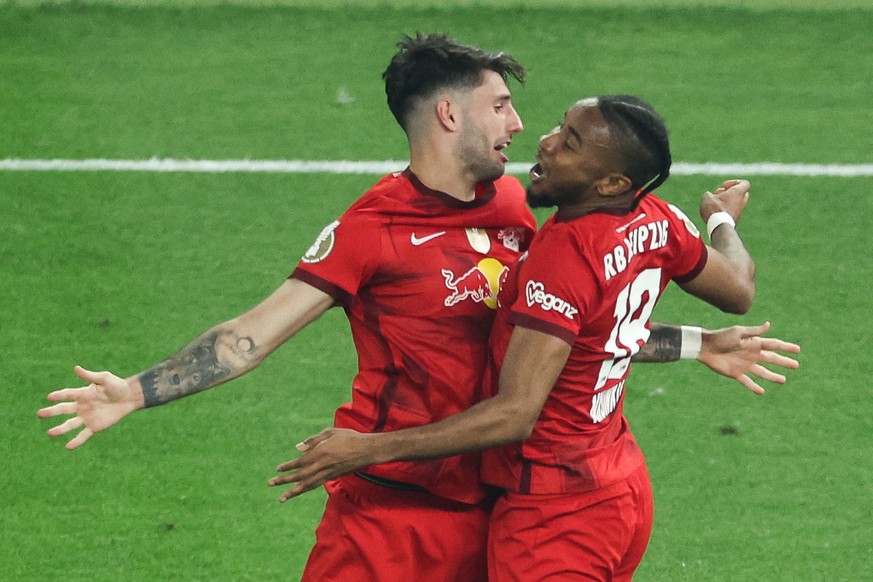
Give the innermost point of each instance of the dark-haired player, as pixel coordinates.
(578, 501)
(416, 263)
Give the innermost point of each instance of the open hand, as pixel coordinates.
(97, 406)
(738, 352)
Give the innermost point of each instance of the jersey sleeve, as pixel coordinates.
(343, 257)
(689, 252)
(555, 290)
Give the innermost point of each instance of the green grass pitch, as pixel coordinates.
(117, 270)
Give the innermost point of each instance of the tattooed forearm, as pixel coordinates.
(211, 359)
(664, 345)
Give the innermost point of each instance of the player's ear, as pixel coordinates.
(447, 114)
(613, 185)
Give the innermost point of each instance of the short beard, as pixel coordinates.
(542, 200)
(486, 172)
(474, 153)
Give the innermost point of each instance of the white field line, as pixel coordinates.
(384, 167)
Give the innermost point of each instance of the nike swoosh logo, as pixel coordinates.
(420, 241)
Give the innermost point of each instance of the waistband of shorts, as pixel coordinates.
(372, 488)
(391, 483)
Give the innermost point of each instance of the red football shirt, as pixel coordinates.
(417, 273)
(593, 282)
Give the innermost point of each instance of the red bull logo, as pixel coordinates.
(480, 284)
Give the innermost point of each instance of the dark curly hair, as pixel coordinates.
(426, 63)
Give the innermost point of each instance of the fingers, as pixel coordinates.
(779, 360)
(88, 375)
(765, 374)
(758, 329)
(298, 489)
(290, 465)
(769, 343)
(67, 394)
(735, 183)
(314, 440)
(57, 410)
(66, 426)
(750, 384)
(307, 479)
(80, 438)
(297, 470)
(304, 447)
(307, 484)
(751, 331)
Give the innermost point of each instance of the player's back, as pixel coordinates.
(593, 282)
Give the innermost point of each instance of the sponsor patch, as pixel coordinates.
(535, 293)
(323, 244)
(688, 224)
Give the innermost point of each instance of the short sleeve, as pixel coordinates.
(690, 253)
(555, 289)
(343, 256)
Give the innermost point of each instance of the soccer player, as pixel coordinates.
(415, 263)
(577, 502)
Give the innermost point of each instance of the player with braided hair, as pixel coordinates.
(415, 263)
(577, 501)
(645, 144)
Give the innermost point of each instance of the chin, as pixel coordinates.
(539, 199)
(489, 175)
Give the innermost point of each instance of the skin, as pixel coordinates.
(224, 352)
(456, 138)
(737, 352)
(577, 171)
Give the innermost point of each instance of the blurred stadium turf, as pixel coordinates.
(118, 270)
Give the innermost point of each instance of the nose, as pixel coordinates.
(547, 141)
(515, 123)
(554, 131)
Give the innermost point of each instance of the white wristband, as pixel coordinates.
(692, 341)
(717, 219)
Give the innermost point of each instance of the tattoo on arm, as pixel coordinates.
(211, 359)
(664, 345)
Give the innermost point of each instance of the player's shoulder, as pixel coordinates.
(656, 205)
(382, 197)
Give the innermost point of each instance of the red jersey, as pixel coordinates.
(417, 272)
(593, 282)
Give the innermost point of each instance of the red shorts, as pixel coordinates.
(371, 533)
(601, 535)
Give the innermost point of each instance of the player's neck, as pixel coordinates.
(571, 210)
(442, 172)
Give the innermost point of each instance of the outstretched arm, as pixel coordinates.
(664, 345)
(736, 352)
(226, 351)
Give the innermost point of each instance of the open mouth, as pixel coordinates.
(499, 149)
(536, 173)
